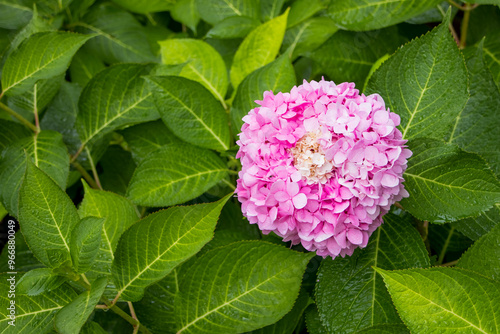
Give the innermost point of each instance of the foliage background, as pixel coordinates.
(114, 113)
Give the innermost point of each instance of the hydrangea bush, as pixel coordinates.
(244, 166)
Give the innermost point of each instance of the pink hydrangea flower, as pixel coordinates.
(321, 165)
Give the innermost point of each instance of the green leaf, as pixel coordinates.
(132, 101)
(309, 35)
(350, 295)
(348, 56)
(38, 281)
(164, 240)
(119, 215)
(221, 295)
(484, 21)
(277, 76)
(203, 63)
(191, 112)
(447, 242)
(491, 49)
(46, 150)
(385, 329)
(446, 183)
(41, 56)
(146, 6)
(85, 241)
(362, 15)
(174, 175)
(444, 300)
(14, 14)
(84, 66)
(120, 37)
(475, 227)
(214, 11)
(424, 82)
(259, 48)
(185, 11)
(233, 27)
(117, 169)
(313, 321)
(475, 129)
(269, 9)
(24, 260)
(301, 10)
(483, 256)
(143, 139)
(92, 327)
(11, 132)
(46, 215)
(34, 314)
(73, 316)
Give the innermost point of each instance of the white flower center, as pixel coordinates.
(309, 159)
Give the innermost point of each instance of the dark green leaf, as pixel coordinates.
(85, 241)
(313, 321)
(385, 329)
(475, 227)
(491, 48)
(447, 242)
(233, 27)
(118, 168)
(11, 132)
(24, 259)
(15, 14)
(269, 9)
(484, 21)
(146, 6)
(92, 328)
(301, 10)
(84, 66)
(185, 11)
(38, 281)
(214, 11)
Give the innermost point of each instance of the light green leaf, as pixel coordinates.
(446, 183)
(11, 132)
(236, 297)
(348, 56)
(475, 129)
(84, 66)
(119, 215)
(146, 6)
(350, 295)
(185, 11)
(424, 82)
(233, 27)
(24, 259)
(301, 10)
(46, 216)
(191, 112)
(34, 314)
(38, 281)
(385, 329)
(483, 256)
(259, 48)
(277, 76)
(307, 36)
(475, 227)
(203, 63)
(121, 38)
(444, 300)
(174, 175)
(132, 101)
(73, 316)
(143, 139)
(41, 56)
(214, 11)
(269, 9)
(359, 15)
(164, 240)
(14, 14)
(46, 150)
(85, 241)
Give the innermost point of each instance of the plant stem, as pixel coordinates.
(94, 170)
(448, 264)
(18, 117)
(464, 26)
(85, 175)
(445, 246)
(80, 149)
(35, 111)
(454, 4)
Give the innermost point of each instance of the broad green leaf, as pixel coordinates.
(434, 14)
(15, 14)
(491, 49)
(350, 295)
(41, 56)
(191, 112)
(84, 66)
(146, 6)
(301, 10)
(38, 281)
(143, 139)
(483, 256)
(233, 27)
(203, 63)
(117, 169)
(73, 316)
(348, 56)
(475, 227)
(92, 327)
(185, 11)
(214, 11)
(85, 241)
(313, 321)
(277, 76)
(132, 101)
(164, 239)
(362, 15)
(11, 132)
(447, 242)
(444, 300)
(484, 21)
(46, 215)
(119, 215)
(34, 314)
(174, 175)
(484, 2)
(120, 37)
(475, 129)
(385, 329)
(269, 9)
(425, 82)
(309, 35)
(46, 150)
(24, 260)
(446, 183)
(240, 287)
(259, 48)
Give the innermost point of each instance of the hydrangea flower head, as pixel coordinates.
(321, 165)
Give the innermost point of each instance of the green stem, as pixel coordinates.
(464, 26)
(18, 117)
(94, 170)
(85, 175)
(454, 4)
(35, 111)
(445, 246)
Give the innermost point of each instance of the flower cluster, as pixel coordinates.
(321, 165)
